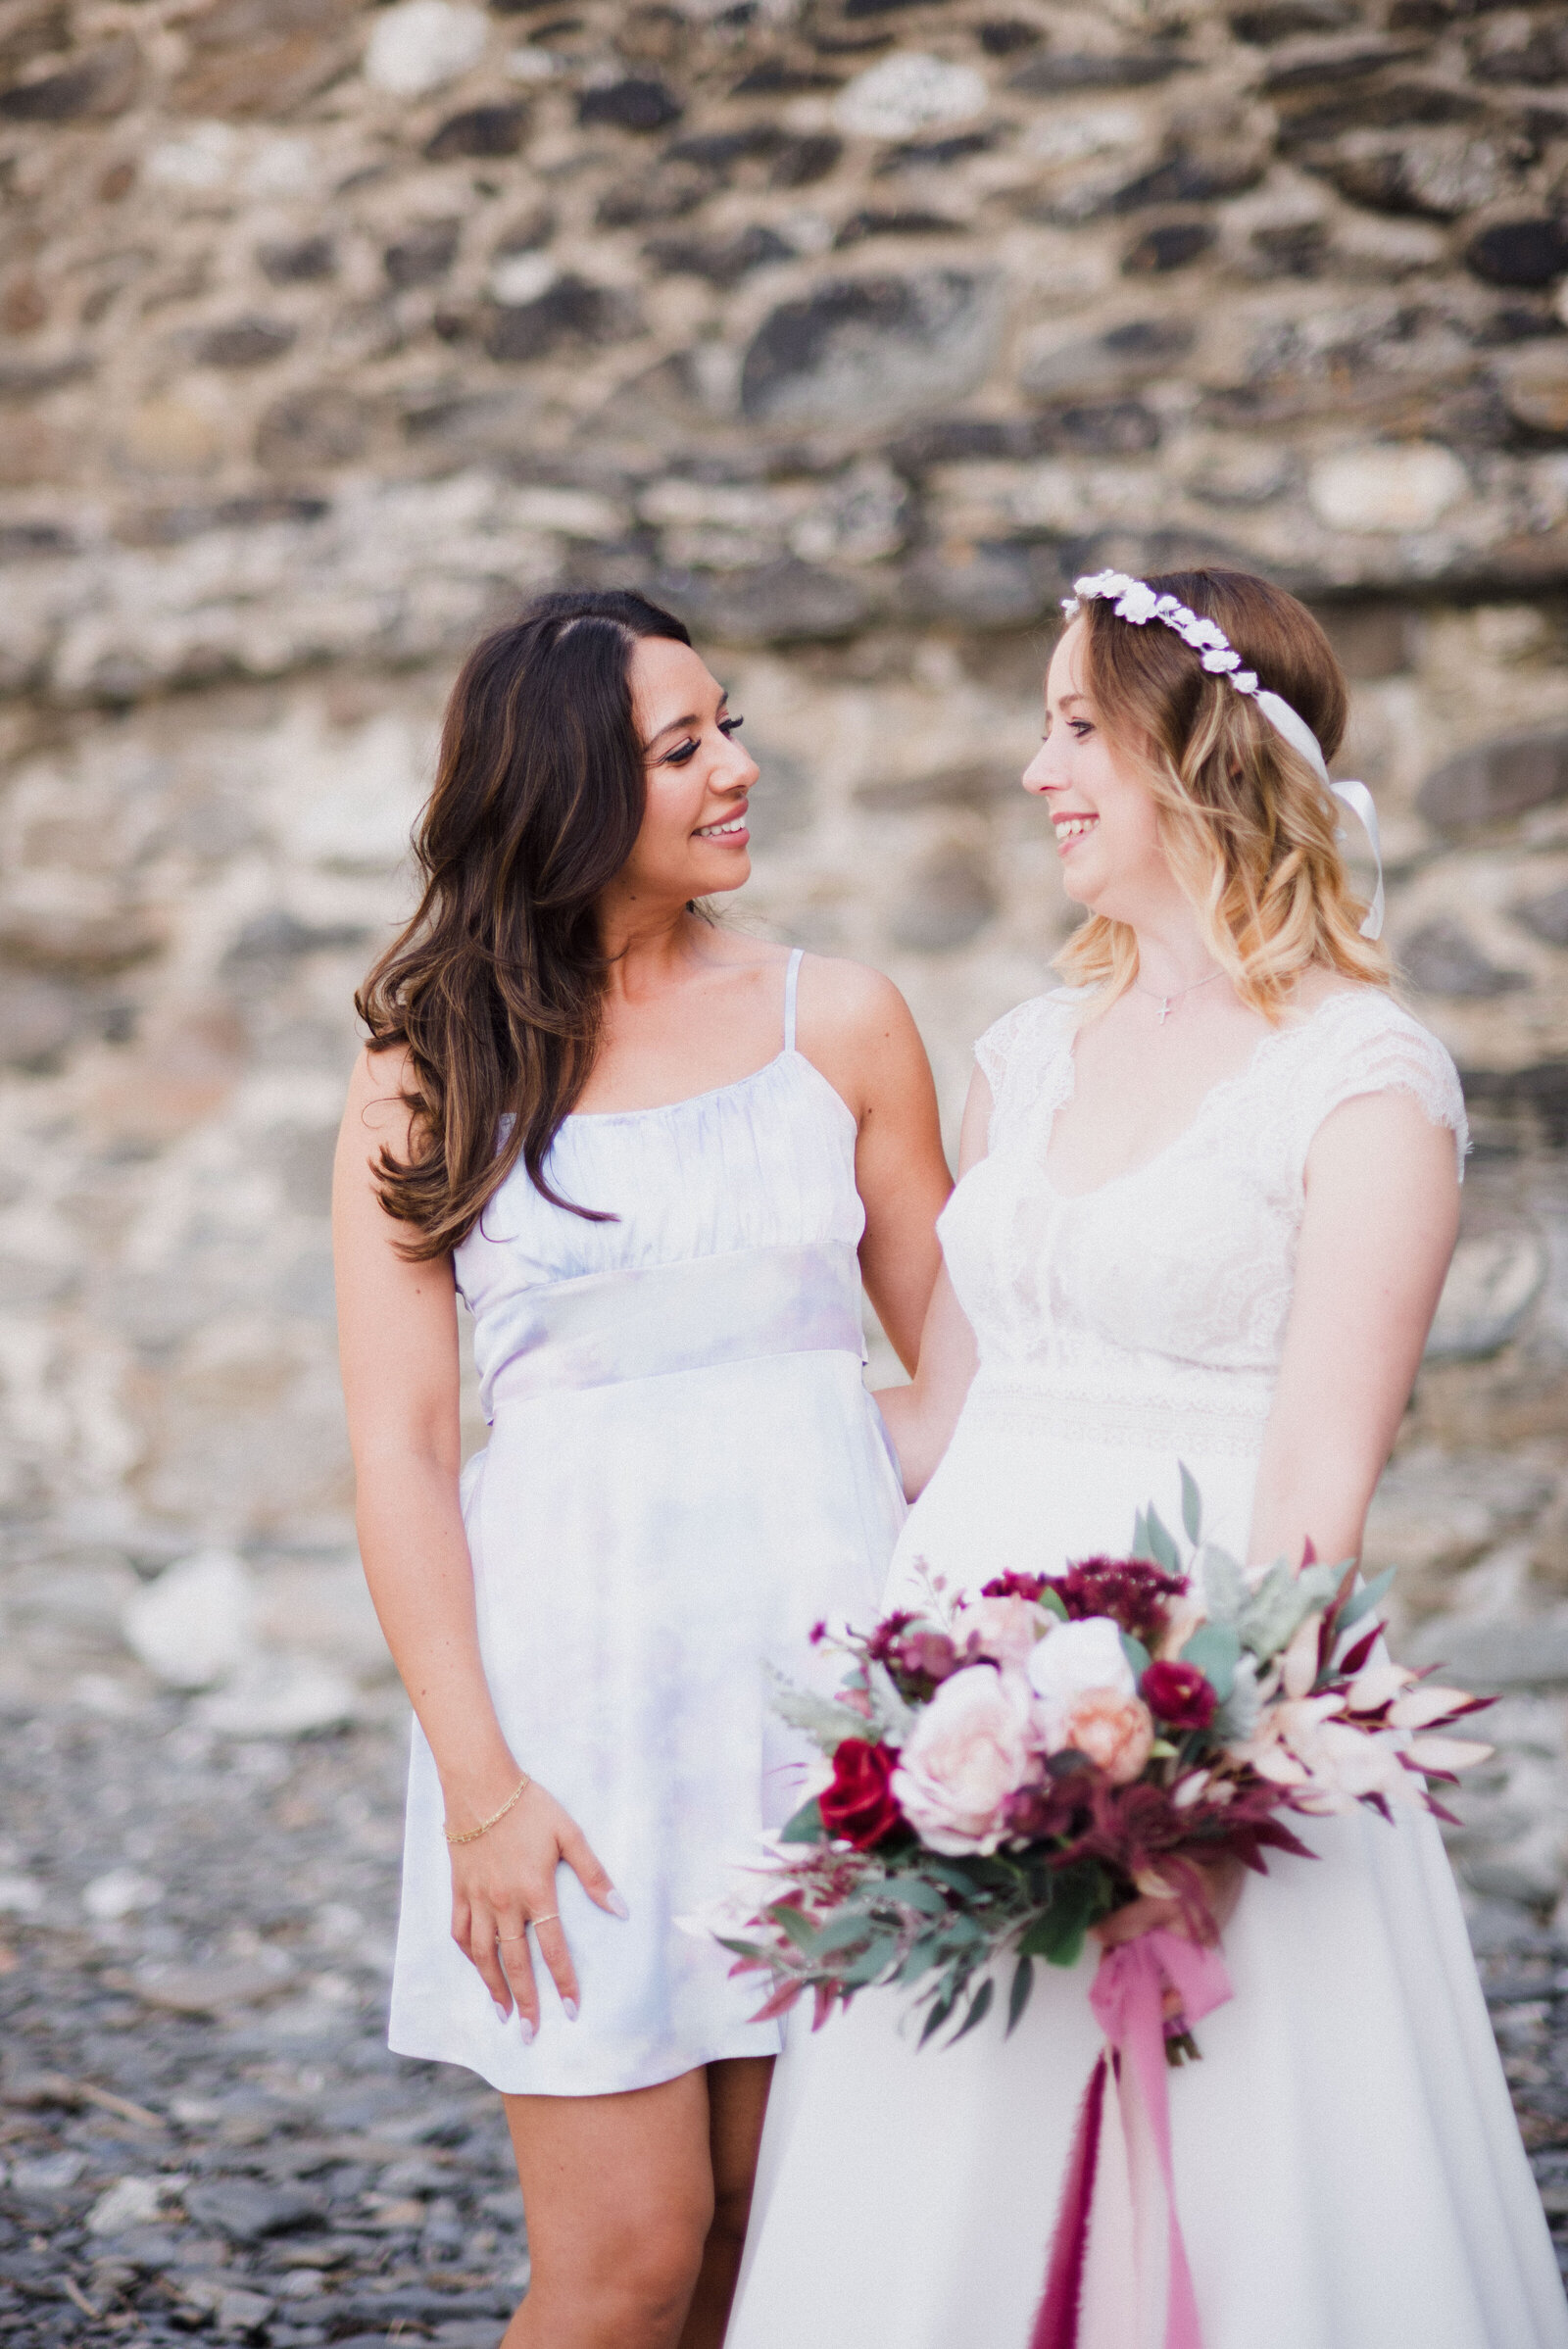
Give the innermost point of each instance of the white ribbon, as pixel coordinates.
(1358, 800)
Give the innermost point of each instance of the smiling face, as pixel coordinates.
(1102, 810)
(694, 840)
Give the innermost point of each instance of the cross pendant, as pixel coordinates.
(1164, 1008)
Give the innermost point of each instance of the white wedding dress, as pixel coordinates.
(1348, 2174)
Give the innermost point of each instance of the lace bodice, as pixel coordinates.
(1170, 1284)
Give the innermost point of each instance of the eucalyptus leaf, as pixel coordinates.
(892, 1718)
(1137, 1655)
(1215, 1649)
(1023, 1982)
(790, 1920)
(825, 1722)
(1161, 1545)
(1361, 1602)
(1237, 1717)
(938, 2016)
(1273, 1611)
(805, 1826)
(1222, 1584)
(869, 1964)
(1054, 1604)
(1191, 1505)
(979, 2008)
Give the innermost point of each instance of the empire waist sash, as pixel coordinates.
(695, 1315)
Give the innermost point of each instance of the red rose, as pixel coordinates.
(859, 1805)
(1179, 1696)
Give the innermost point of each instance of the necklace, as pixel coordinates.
(1167, 1003)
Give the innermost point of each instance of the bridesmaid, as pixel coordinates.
(654, 1157)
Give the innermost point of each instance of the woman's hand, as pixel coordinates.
(1222, 1882)
(505, 1880)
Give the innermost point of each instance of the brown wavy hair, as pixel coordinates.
(1246, 823)
(496, 987)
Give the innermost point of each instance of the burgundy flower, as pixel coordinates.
(859, 1805)
(1031, 1586)
(1131, 1593)
(885, 1638)
(1179, 1696)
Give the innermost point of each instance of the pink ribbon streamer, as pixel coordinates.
(1128, 1995)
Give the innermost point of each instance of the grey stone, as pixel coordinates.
(1284, 19)
(867, 352)
(778, 603)
(945, 901)
(634, 103)
(1053, 75)
(973, 785)
(723, 262)
(571, 312)
(1545, 917)
(780, 807)
(102, 83)
(1442, 958)
(423, 254)
(1435, 176)
(247, 2213)
(1522, 1109)
(39, 1019)
(1500, 778)
(988, 585)
(1493, 1283)
(1172, 245)
(1538, 59)
(308, 429)
(1530, 251)
(306, 263)
(483, 133)
(1489, 1655)
(245, 343)
(271, 943)
(1137, 351)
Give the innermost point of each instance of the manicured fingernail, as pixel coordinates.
(502, 2011)
(568, 2007)
(618, 1907)
(527, 2030)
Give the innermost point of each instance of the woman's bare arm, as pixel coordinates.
(398, 1337)
(1381, 1215)
(923, 1416)
(859, 1030)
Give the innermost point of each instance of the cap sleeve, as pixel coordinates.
(1023, 1055)
(1375, 1047)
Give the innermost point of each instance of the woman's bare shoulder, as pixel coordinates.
(851, 1002)
(380, 1099)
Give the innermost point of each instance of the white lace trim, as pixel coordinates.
(1169, 1423)
(1175, 1278)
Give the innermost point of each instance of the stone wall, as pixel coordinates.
(854, 328)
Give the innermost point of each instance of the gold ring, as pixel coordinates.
(549, 1918)
(502, 1938)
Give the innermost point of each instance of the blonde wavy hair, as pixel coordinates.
(1247, 828)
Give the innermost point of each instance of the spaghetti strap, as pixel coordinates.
(791, 977)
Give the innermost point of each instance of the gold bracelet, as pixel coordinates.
(485, 1824)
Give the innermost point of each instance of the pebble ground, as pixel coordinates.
(221, 2043)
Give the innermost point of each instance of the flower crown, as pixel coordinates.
(1139, 603)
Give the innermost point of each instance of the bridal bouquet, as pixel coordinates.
(1002, 1772)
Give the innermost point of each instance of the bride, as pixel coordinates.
(1207, 1196)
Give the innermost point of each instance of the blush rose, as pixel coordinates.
(972, 1750)
(1113, 1730)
